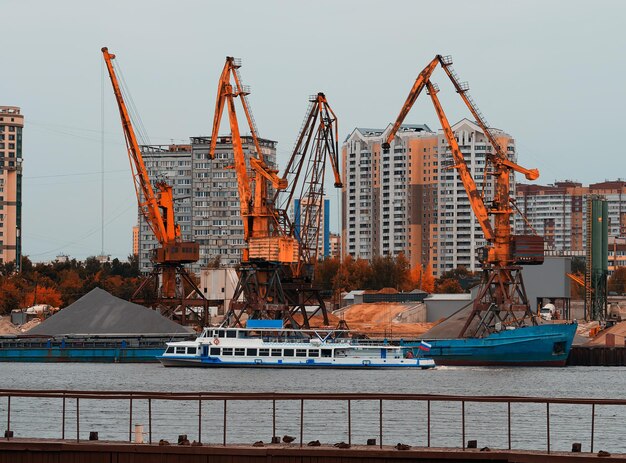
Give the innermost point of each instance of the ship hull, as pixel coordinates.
(542, 345)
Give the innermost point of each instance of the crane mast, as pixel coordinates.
(275, 277)
(502, 299)
(316, 144)
(168, 275)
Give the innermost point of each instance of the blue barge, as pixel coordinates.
(99, 349)
(541, 345)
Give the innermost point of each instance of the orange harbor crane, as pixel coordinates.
(502, 298)
(274, 278)
(169, 275)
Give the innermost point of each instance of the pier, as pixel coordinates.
(112, 426)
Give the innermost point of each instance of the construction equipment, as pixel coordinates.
(502, 299)
(169, 274)
(272, 280)
(317, 142)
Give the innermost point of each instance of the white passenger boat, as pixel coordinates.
(265, 343)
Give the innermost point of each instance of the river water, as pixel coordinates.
(327, 421)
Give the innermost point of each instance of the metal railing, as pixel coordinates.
(133, 397)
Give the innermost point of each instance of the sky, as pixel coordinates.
(551, 73)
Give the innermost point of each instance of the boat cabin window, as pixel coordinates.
(264, 352)
(180, 350)
(314, 353)
(240, 351)
(276, 352)
(191, 350)
(288, 353)
(227, 351)
(300, 352)
(170, 350)
(251, 352)
(220, 333)
(327, 352)
(231, 334)
(215, 351)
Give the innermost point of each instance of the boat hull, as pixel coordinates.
(169, 361)
(542, 345)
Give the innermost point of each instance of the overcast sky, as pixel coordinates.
(551, 73)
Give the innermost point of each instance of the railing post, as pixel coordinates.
(509, 407)
(224, 441)
(150, 421)
(130, 419)
(8, 415)
(63, 419)
(349, 422)
(463, 423)
(301, 420)
(77, 419)
(200, 420)
(273, 417)
(548, 424)
(380, 422)
(428, 426)
(593, 422)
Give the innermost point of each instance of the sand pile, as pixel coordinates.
(619, 330)
(381, 319)
(6, 327)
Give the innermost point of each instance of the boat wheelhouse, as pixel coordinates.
(265, 343)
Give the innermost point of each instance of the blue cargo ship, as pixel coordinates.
(541, 345)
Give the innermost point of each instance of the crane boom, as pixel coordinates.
(164, 230)
(476, 200)
(259, 218)
(417, 88)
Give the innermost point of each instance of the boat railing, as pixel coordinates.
(424, 420)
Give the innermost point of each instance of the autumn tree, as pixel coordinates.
(428, 280)
(43, 295)
(617, 281)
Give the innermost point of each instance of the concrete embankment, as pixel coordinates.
(40, 451)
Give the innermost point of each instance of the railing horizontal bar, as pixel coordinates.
(120, 395)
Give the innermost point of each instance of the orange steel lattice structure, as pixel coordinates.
(275, 276)
(168, 275)
(502, 299)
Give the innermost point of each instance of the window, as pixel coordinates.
(192, 350)
(170, 350)
(227, 351)
(288, 353)
(264, 352)
(220, 334)
(231, 334)
(214, 351)
(314, 353)
(180, 350)
(276, 352)
(300, 352)
(240, 351)
(251, 352)
(327, 352)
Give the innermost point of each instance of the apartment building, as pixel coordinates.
(11, 126)
(558, 212)
(335, 245)
(206, 197)
(388, 198)
(411, 200)
(459, 233)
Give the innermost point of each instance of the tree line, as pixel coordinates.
(389, 272)
(61, 283)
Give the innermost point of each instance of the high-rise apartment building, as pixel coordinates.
(459, 233)
(558, 212)
(411, 200)
(206, 197)
(11, 126)
(388, 198)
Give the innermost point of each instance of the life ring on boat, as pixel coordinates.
(216, 341)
